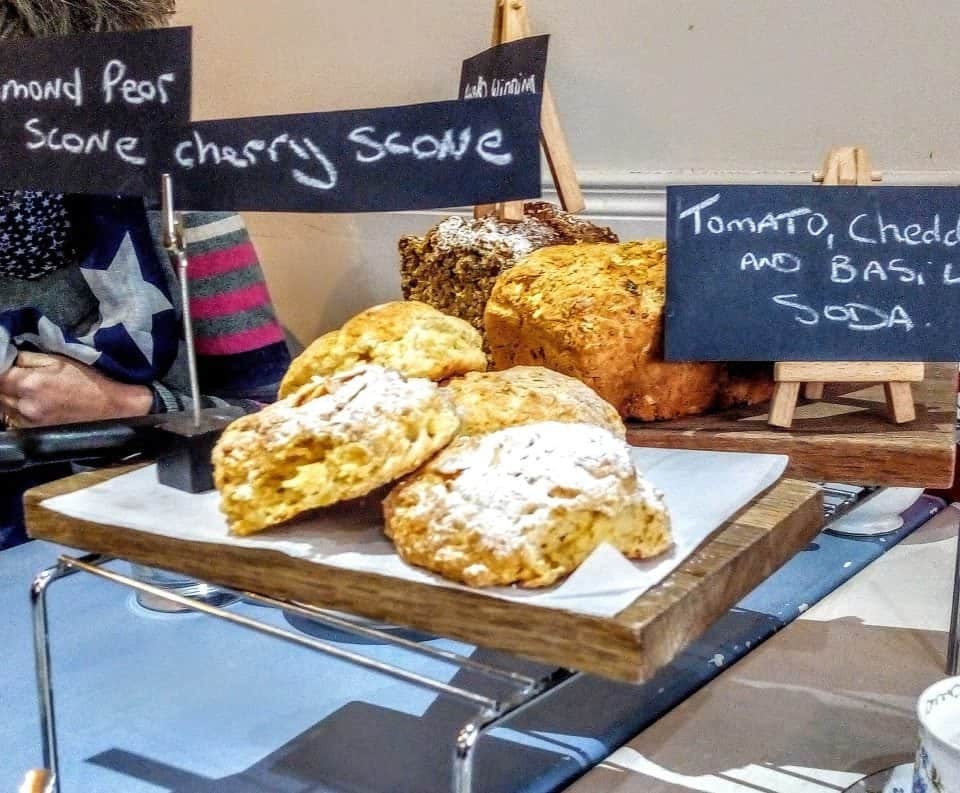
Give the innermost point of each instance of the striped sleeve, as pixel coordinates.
(241, 347)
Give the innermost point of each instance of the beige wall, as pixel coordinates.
(650, 90)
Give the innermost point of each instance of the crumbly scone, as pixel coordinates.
(408, 336)
(490, 401)
(337, 438)
(595, 312)
(454, 265)
(525, 505)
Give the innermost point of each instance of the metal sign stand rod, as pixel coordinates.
(177, 251)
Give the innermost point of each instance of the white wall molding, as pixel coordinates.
(641, 195)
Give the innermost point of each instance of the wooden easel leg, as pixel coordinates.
(783, 404)
(900, 402)
(813, 390)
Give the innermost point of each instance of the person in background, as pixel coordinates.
(90, 319)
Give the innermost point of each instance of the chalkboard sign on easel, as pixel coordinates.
(511, 22)
(813, 275)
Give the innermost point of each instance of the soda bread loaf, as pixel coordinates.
(525, 505)
(337, 438)
(408, 336)
(490, 401)
(454, 265)
(595, 312)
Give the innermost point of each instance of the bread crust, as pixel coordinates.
(595, 312)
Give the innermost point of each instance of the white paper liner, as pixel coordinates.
(702, 491)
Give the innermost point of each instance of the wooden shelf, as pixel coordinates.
(845, 438)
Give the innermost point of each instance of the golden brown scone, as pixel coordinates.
(525, 505)
(408, 336)
(490, 401)
(595, 312)
(337, 438)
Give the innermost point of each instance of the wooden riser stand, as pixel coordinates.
(844, 166)
(511, 22)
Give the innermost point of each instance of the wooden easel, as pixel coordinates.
(844, 166)
(511, 22)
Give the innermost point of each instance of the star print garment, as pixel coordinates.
(133, 335)
(35, 234)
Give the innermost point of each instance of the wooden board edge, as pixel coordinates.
(609, 647)
(701, 606)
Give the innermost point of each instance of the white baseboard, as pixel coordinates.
(641, 195)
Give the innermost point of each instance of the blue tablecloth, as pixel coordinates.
(189, 704)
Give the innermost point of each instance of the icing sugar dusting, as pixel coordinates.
(346, 404)
(510, 482)
(457, 233)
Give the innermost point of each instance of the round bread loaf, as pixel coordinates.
(525, 505)
(490, 401)
(595, 312)
(408, 336)
(337, 438)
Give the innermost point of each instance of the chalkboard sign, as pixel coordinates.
(110, 113)
(516, 68)
(813, 273)
(440, 154)
(82, 113)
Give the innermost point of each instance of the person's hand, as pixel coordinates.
(40, 390)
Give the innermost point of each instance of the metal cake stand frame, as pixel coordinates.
(525, 690)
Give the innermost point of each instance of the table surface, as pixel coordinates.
(846, 437)
(823, 703)
(630, 645)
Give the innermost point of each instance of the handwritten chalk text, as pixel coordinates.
(856, 316)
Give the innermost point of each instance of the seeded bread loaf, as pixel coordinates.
(454, 265)
(595, 312)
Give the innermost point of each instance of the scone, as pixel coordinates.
(408, 336)
(595, 312)
(337, 438)
(490, 401)
(454, 265)
(525, 505)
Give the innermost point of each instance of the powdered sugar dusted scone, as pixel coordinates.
(490, 401)
(337, 438)
(525, 505)
(408, 336)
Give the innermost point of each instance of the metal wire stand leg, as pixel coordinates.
(527, 690)
(41, 648)
(953, 650)
(473, 730)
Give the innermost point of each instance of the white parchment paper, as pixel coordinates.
(702, 490)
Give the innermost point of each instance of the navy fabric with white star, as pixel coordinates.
(35, 234)
(136, 337)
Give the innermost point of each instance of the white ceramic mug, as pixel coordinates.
(937, 768)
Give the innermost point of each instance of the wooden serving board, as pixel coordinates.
(630, 646)
(846, 437)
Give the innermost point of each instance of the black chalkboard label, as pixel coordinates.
(83, 113)
(762, 273)
(516, 68)
(440, 154)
